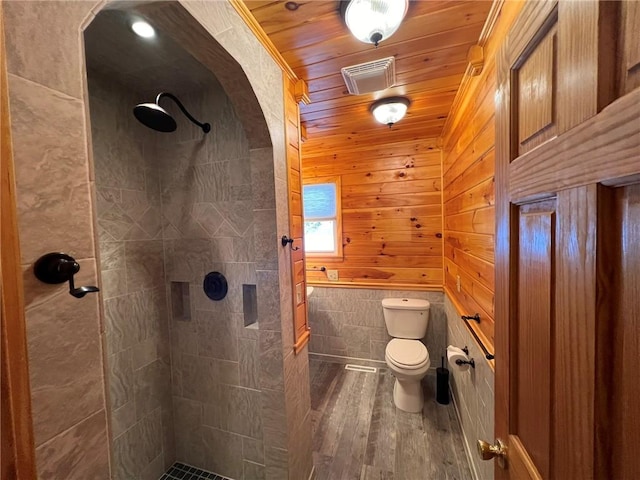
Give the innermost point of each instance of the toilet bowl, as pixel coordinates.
(406, 356)
(408, 361)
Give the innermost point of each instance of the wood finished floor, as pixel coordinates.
(358, 434)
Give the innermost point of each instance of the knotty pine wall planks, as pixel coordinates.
(391, 215)
(468, 189)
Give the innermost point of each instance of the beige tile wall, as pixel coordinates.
(349, 322)
(47, 92)
(54, 214)
(473, 392)
(211, 220)
(208, 222)
(129, 226)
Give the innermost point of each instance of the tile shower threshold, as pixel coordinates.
(182, 471)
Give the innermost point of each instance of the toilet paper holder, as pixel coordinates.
(466, 362)
(470, 361)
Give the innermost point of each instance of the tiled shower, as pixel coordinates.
(172, 208)
(191, 379)
(77, 433)
(133, 290)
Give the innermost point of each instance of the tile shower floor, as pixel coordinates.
(181, 471)
(358, 434)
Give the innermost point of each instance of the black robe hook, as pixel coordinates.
(284, 240)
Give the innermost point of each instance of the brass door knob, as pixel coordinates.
(488, 451)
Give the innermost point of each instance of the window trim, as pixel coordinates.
(337, 180)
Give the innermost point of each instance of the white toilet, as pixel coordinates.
(406, 355)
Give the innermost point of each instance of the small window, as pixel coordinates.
(322, 217)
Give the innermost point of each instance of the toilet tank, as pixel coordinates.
(406, 317)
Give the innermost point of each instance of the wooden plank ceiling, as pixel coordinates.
(430, 49)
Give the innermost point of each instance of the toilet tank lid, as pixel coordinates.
(405, 303)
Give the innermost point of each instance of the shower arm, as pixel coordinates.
(206, 128)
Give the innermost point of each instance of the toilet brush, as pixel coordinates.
(442, 384)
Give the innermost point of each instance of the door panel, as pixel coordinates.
(585, 60)
(630, 64)
(575, 335)
(536, 87)
(532, 355)
(623, 318)
(568, 242)
(520, 463)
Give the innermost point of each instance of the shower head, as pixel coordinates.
(152, 115)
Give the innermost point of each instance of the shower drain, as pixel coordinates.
(360, 368)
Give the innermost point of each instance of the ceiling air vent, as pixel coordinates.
(371, 76)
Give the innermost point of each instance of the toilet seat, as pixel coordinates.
(407, 354)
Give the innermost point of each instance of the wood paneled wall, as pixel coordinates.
(468, 189)
(391, 214)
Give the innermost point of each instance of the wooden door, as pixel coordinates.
(16, 452)
(568, 242)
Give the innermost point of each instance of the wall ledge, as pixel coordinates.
(379, 286)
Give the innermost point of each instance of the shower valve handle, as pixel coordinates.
(56, 268)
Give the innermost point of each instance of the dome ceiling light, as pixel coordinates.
(390, 110)
(143, 29)
(372, 21)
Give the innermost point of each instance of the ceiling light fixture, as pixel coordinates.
(143, 29)
(390, 110)
(372, 21)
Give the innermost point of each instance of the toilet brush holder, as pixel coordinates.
(442, 384)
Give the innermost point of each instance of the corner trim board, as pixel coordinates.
(471, 71)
